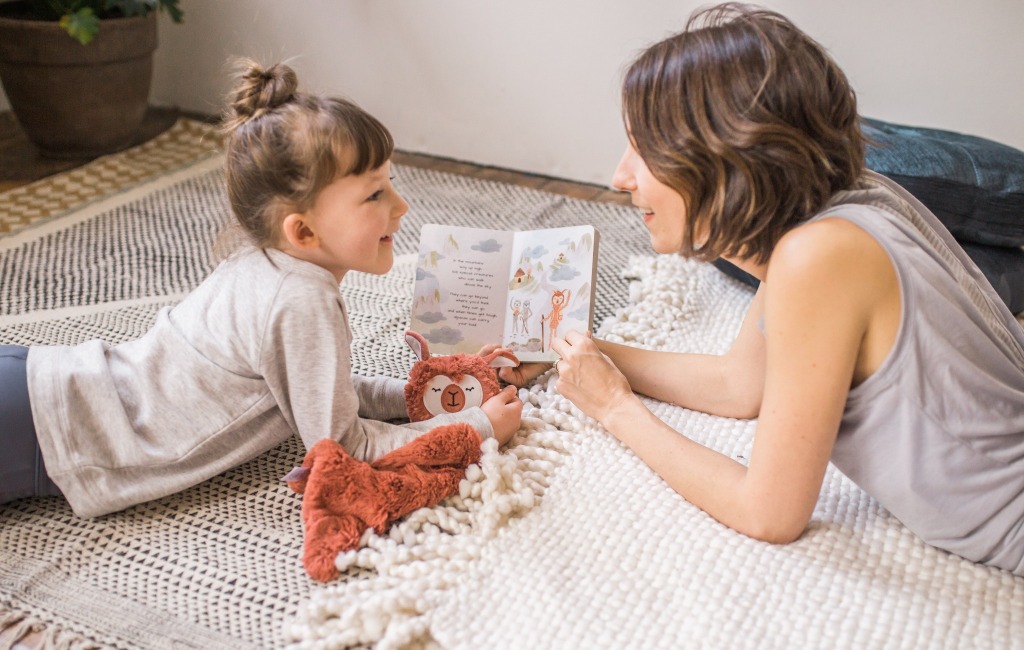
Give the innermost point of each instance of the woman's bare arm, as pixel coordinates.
(825, 288)
(729, 385)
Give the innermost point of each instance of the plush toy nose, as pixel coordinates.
(454, 399)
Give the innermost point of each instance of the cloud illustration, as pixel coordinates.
(563, 273)
(445, 335)
(487, 246)
(422, 274)
(431, 317)
(581, 314)
(537, 251)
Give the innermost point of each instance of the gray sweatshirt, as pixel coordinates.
(256, 353)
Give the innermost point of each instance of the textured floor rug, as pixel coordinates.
(567, 540)
(562, 540)
(95, 253)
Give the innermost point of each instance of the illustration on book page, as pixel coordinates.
(520, 289)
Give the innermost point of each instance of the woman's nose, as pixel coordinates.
(623, 179)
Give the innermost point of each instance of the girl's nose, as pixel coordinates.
(401, 208)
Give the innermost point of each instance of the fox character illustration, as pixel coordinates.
(559, 300)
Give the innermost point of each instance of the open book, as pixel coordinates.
(521, 289)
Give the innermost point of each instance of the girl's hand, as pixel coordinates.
(505, 411)
(588, 378)
(520, 375)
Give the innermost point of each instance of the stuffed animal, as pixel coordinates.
(342, 496)
(453, 383)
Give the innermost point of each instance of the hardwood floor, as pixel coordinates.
(20, 162)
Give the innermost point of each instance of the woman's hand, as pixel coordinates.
(588, 378)
(505, 411)
(520, 375)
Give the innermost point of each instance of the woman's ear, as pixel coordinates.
(297, 231)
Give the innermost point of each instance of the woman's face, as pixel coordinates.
(664, 211)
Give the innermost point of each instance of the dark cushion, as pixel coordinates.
(735, 272)
(1003, 267)
(973, 185)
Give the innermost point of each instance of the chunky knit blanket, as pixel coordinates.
(567, 540)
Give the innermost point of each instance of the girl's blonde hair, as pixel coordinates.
(283, 147)
(750, 120)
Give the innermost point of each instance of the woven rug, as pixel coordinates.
(95, 253)
(562, 540)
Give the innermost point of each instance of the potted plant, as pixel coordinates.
(77, 73)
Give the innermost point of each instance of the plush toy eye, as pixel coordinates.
(473, 390)
(443, 395)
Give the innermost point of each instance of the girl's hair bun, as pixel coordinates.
(260, 90)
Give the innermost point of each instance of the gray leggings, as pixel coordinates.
(22, 472)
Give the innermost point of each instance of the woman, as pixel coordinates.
(872, 340)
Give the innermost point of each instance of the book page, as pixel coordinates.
(550, 289)
(460, 290)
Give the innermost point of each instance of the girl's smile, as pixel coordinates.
(352, 224)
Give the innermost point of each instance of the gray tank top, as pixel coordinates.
(936, 435)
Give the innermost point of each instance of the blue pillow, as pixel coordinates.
(973, 185)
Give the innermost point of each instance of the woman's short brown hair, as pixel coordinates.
(750, 120)
(284, 147)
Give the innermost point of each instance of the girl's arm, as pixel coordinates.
(383, 398)
(826, 286)
(305, 362)
(729, 385)
(380, 398)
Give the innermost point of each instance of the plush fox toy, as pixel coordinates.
(342, 496)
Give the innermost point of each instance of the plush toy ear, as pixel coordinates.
(418, 345)
(501, 358)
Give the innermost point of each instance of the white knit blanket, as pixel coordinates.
(566, 540)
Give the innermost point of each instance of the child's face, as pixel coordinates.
(354, 219)
(664, 211)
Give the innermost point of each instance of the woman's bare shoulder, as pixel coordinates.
(831, 253)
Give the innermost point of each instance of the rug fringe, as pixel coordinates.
(15, 625)
(425, 554)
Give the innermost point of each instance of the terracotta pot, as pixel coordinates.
(74, 100)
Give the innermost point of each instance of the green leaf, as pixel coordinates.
(82, 25)
(46, 9)
(143, 7)
(129, 8)
(173, 10)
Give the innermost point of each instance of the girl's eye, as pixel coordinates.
(375, 196)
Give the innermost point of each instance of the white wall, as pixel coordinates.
(533, 84)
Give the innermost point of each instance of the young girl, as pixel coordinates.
(258, 352)
(872, 340)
